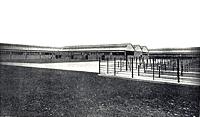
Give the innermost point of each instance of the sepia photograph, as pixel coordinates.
(108, 58)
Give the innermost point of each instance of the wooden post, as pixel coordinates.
(129, 64)
(189, 65)
(114, 66)
(178, 71)
(159, 71)
(181, 68)
(126, 62)
(52, 55)
(107, 66)
(188, 62)
(143, 60)
(99, 65)
(144, 68)
(157, 65)
(26, 55)
(153, 69)
(136, 63)
(185, 64)
(147, 63)
(138, 70)
(150, 60)
(40, 53)
(10, 55)
(120, 64)
(132, 66)
(151, 63)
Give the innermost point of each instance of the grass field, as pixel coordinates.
(46, 92)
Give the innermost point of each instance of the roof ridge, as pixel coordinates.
(97, 45)
(23, 45)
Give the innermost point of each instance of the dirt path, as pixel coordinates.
(91, 66)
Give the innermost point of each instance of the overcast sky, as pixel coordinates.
(154, 23)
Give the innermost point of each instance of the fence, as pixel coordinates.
(173, 69)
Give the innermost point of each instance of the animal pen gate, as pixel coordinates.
(168, 68)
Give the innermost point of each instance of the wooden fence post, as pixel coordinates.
(159, 70)
(157, 65)
(178, 71)
(99, 65)
(10, 55)
(153, 69)
(144, 68)
(185, 62)
(26, 55)
(126, 62)
(40, 53)
(136, 63)
(120, 64)
(132, 66)
(138, 70)
(181, 68)
(147, 63)
(107, 66)
(114, 66)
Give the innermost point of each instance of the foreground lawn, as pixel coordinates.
(45, 92)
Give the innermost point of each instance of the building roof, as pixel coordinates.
(6, 46)
(104, 47)
(101, 47)
(176, 50)
(144, 49)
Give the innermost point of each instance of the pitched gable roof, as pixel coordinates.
(124, 46)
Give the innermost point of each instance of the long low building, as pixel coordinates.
(189, 57)
(193, 52)
(28, 53)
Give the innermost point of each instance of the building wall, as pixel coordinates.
(64, 56)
